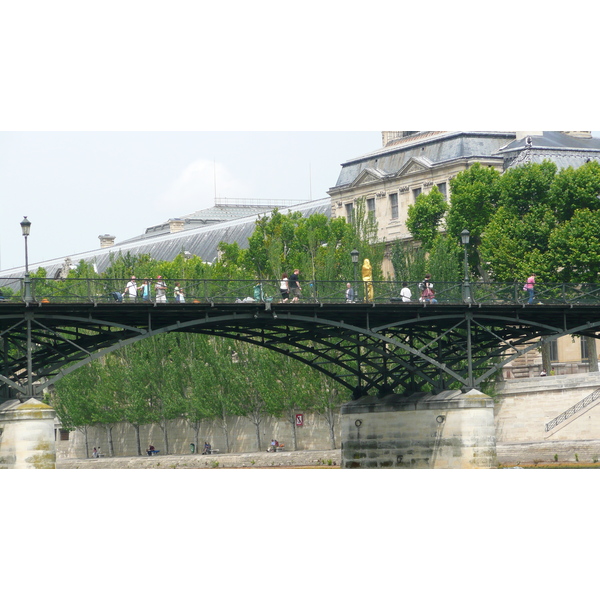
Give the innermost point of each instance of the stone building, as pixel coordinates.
(412, 162)
(391, 178)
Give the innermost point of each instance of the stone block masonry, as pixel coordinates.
(445, 431)
(27, 435)
(246, 460)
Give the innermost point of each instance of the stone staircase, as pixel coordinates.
(526, 365)
(574, 412)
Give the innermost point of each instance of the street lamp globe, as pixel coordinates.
(25, 226)
(465, 234)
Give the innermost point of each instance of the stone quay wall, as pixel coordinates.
(423, 431)
(312, 435)
(523, 407)
(246, 460)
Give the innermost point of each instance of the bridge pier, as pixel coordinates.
(450, 430)
(27, 435)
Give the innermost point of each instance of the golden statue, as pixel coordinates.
(367, 275)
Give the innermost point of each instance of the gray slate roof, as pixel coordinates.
(563, 150)
(224, 210)
(201, 241)
(439, 148)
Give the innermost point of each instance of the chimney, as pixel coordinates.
(106, 240)
(176, 225)
(524, 134)
(579, 134)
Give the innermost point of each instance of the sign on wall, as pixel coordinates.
(299, 420)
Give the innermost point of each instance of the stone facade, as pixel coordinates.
(312, 435)
(475, 432)
(447, 431)
(391, 179)
(26, 440)
(245, 460)
(524, 407)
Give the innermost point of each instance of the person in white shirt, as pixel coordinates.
(161, 290)
(178, 293)
(405, 292)
(131, 290)
(349, 293)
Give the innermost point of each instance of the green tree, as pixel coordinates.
(108, 401)
(516, 238)
(474, 200)
(121, 365)
(157, 376)
(425, 217)
(445, 261)
(576, 189)
(75, 400)
(327, 397)
(409, 262)
(574, 248)
(526, 187)
(251, 385)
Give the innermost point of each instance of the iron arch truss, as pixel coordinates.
(368, 348)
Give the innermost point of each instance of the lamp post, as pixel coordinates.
(466, 283)
(25, 228)
(354, 255)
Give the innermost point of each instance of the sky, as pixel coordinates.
(75, 186)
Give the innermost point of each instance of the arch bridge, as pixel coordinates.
(376, 345)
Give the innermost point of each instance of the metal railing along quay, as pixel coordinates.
(573, 410)
(103, 290)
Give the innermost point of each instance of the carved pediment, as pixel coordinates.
(415, 165)
(368, 176)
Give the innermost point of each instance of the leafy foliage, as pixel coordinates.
(425, 217)
(474, 193)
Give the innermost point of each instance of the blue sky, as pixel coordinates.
(75, 186)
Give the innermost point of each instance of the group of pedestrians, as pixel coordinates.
(428, 293)
(290, 285)
(132, 288)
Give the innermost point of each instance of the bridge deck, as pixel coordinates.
(365, 346)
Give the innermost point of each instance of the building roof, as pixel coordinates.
(562, 149)
(225, 209)
(163, 245)
(435, 147)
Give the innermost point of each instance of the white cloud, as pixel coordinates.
(195, 188)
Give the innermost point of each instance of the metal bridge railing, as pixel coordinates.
(573, 410)
(102, 290)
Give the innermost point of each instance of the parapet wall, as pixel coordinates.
(423, 431)
(523, 407)
(312, 435)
